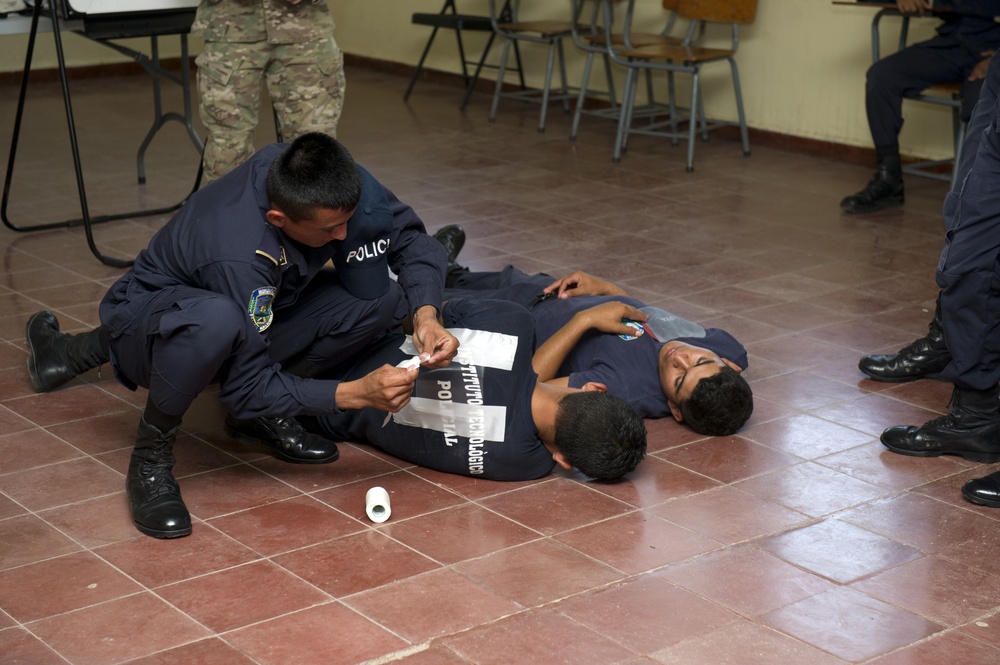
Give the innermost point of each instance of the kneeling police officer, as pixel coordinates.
(236, 290)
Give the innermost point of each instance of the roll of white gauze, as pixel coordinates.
(377, 504)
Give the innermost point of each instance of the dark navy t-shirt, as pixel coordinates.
(471, 418)
(629, 368)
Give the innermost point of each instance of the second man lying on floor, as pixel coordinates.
(667, 366)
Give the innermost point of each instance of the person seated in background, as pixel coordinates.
(487, 415)
(960, 52)
(661, 364)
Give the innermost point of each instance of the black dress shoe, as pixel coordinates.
(452, 237)
(290, 441)
(984, 491)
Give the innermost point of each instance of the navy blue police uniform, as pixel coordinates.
(950, 56)
(969, 269)
(221, 295)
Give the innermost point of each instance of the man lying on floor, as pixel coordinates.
(666, 366)
(487, 415)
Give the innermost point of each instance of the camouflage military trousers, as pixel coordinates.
(304, 81)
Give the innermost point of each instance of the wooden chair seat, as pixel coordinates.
(946, 89)
(543, 28)
(678, 53)
(638, 39)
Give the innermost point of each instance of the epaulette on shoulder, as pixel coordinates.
(271, 249)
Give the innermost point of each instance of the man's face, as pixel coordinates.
(682, 366)
(323, 227)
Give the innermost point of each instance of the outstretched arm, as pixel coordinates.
(606, 318)
(581, 284)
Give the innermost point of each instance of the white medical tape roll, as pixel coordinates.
(377, 504)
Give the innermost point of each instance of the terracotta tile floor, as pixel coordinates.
(800, 540)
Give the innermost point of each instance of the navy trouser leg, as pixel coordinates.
(911, 70)
(191, 345)
(329, 325)
(968, 272)
(180, 346)
(509, 284)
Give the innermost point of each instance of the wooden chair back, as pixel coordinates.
(721, 11)
(670, 5)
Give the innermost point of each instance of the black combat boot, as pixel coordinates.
(286, 436)
(925, 358)
(153, 494)
(54, 357)
(971, 429)
(885, 190)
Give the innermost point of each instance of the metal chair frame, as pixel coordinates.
(687, 58)
(593, 42)
(546, 33)
(449, 19)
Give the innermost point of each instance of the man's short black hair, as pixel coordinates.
(315, 171)
(719, 405)
(600, 434)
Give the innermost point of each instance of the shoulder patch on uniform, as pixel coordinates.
(260, 309)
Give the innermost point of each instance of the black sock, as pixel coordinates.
(158, 419)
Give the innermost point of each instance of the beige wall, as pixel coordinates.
(802, 62)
